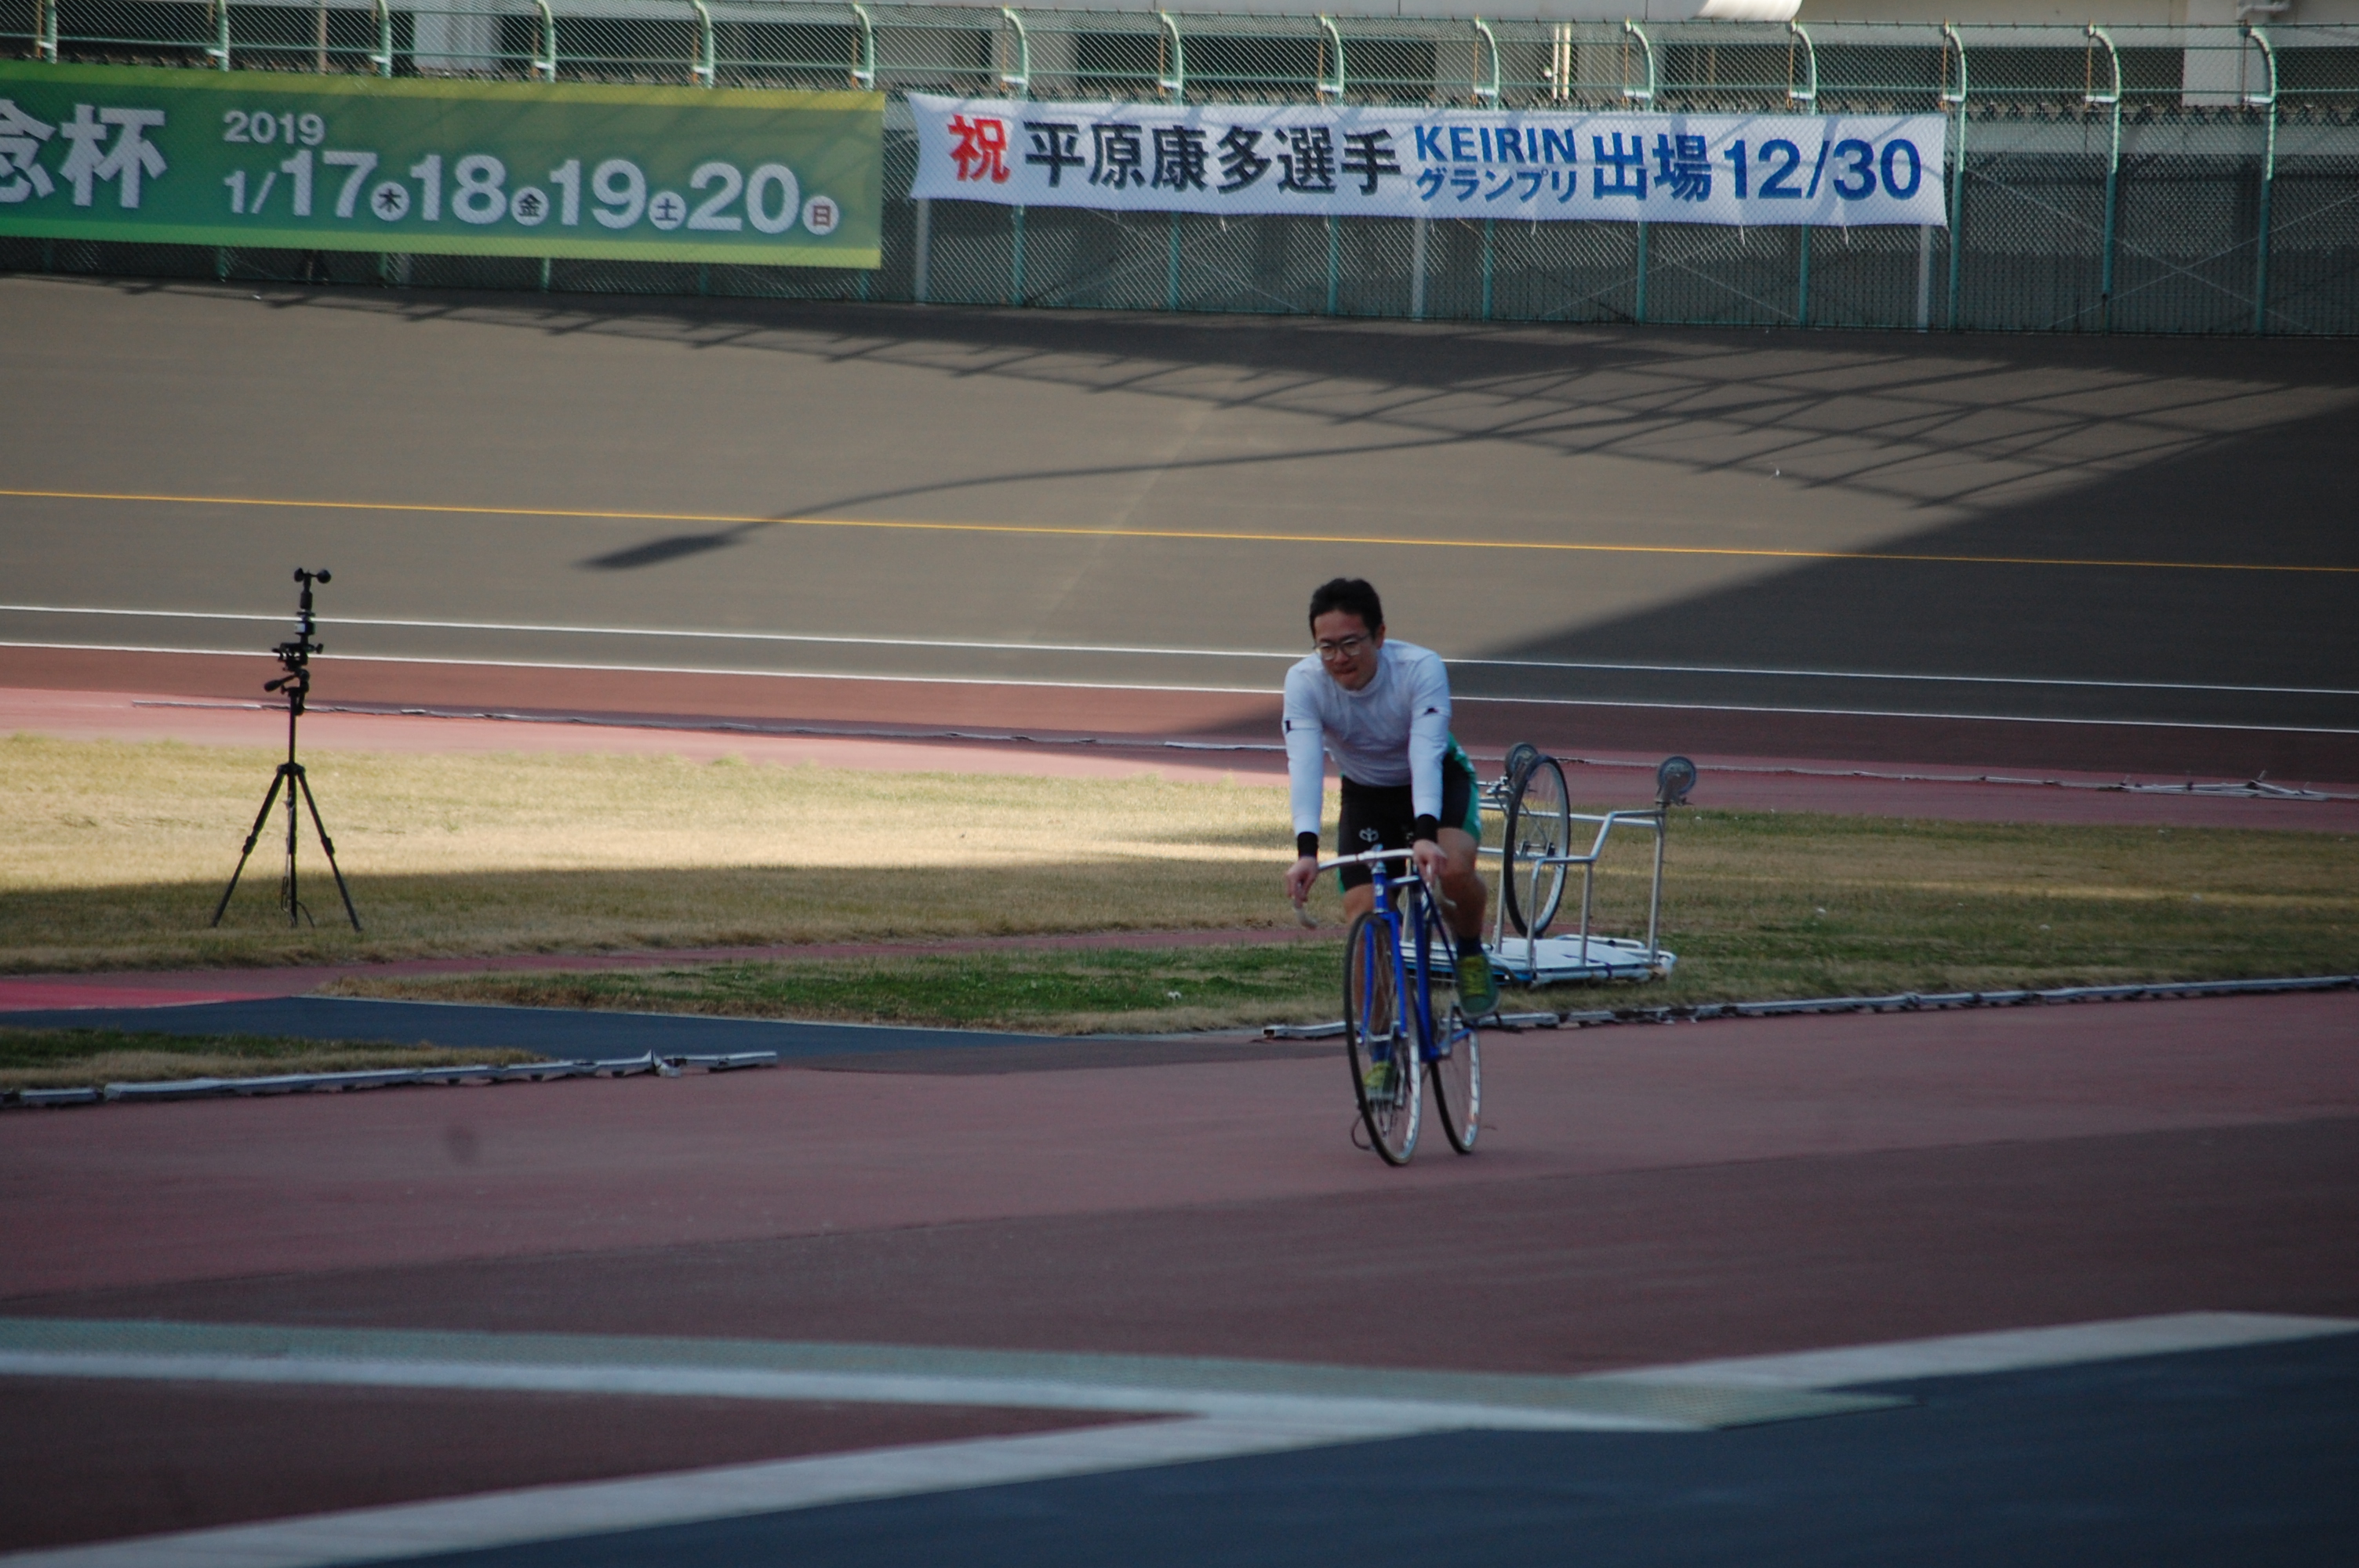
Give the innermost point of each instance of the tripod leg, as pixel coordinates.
(328, 844)
(260, 818)
(290, 893)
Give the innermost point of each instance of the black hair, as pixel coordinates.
(1354, 596)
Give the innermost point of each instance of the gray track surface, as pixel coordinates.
(2248, 1457)
(567, 1032)
(1408, 451)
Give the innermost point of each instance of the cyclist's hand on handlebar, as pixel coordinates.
(1429, 861)
(1299, 878)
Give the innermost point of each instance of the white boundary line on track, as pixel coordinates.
(2008, 1350)
(1324, 1412)
(1586, 666)
(1461, 698)
(548, 1513)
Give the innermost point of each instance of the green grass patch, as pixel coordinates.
(1757, 907)
(74, 1058)
(1058, 990)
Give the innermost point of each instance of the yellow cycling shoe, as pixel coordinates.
(1478, 988)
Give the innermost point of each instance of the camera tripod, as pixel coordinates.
(295, 657)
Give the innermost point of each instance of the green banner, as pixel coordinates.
(511, 168)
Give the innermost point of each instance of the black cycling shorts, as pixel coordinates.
(1383, 816)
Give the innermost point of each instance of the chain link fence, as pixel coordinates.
(2144, 180)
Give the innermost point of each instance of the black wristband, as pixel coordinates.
(1426, 829)
(1306, 844)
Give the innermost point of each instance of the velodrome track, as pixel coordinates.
(1094, 1294)
(2108, 553)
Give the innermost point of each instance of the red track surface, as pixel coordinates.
(97, 1461)
(858, 1205)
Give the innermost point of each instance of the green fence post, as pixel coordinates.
(2266, 102)
(704, 71)
(1638, 309)
(45, 32)
(383, 58)
(1802, 286)
(1334, 262)
(1486, 48)
(1015, 263)
(1417, 228)
(921, 254)
(2111, 99)
(1019, 83)
(863, 72)
(1644, 95)
(1173, 81)
(1489, 251)
(219, 52)
(1957, 165)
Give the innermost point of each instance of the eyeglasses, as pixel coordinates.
(1342, 648)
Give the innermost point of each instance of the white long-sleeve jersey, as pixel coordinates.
(1393, 731)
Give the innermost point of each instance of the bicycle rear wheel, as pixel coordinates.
(1539, 825)
(1384, 1077)
(1455, 1057)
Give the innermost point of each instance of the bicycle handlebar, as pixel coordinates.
(1365, 856)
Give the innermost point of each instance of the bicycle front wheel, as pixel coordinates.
(1458, 1080)
(1538, 825)
(1384, 1077)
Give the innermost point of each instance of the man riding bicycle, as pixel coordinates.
(1382, 711)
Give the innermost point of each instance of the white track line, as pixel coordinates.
(551, 1513)
(1463, 699)
(1324, 1411)
(1584, 666)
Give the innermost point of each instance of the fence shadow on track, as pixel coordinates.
(1980, 422)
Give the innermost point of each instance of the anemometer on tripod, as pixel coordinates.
(295, 657)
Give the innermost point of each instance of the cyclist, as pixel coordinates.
(1382, 710)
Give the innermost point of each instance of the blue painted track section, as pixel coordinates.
(2246, 1457)
(555, 1032)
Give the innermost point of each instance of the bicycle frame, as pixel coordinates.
(1429, 1045)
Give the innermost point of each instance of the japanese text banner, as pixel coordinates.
(263, 158)
(1753, 170)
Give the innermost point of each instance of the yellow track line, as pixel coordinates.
(739, 521)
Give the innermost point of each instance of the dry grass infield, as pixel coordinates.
(117, 851)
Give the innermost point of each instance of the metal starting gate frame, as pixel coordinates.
(1543, 853)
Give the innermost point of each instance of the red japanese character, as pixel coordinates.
(981, 150)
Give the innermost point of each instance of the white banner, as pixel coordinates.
(1742, 169)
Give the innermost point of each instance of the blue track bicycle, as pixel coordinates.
(1402, 1022)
